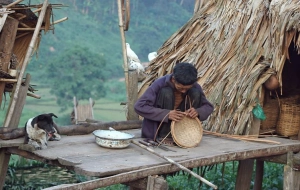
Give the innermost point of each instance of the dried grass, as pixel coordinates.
(236, 45)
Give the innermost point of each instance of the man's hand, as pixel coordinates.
(192, 113)
(176, 115)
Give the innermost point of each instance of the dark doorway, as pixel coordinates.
(291, 73)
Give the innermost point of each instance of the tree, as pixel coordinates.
(76, 72)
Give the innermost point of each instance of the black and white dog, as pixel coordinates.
(40, 129)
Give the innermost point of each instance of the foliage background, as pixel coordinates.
(82, 56)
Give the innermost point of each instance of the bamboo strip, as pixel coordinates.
(242, 137)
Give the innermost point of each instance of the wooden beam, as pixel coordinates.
(7, 40)
(245, 168)
(282, 159)
(7, 133)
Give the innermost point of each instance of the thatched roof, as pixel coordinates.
(236, 45)
(26, 15)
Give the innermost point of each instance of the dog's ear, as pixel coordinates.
(40, 117)
(52, 114)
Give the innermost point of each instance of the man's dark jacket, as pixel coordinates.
(145, 106)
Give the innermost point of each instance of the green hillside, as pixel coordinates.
(94, 25)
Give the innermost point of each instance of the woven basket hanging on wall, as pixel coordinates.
(289, 118)
(271, 109)
(187, 133)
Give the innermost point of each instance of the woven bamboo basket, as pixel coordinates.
(271, 109)
(187, 133)
(289, 118)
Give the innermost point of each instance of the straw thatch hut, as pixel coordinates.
(18, 23)
(236, 45)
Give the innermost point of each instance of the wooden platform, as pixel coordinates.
(85, 157)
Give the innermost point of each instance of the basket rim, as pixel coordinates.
(177, 141)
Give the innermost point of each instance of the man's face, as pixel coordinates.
(180, 87)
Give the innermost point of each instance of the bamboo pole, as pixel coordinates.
(26, 60)
(59, 21)
(7, 40)
(177, 164)
(30, 29)
(12, 4)
(125, 63)
(37, 10)
(24, 34)
(8, 80)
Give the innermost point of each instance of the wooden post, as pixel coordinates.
(140, 184)
(16, 114)
(20, 102)
(132, 95)
(7, 40)
(244, 174)
(245, 168)
(75, 110)
(125, 63)
(291, 177)
(151, 183)
(259, 175)
(156, 183)
(4, 160)
(259, 171)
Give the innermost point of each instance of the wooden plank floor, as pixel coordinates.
(87, 158)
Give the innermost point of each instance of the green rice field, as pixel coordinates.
(104, 109)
